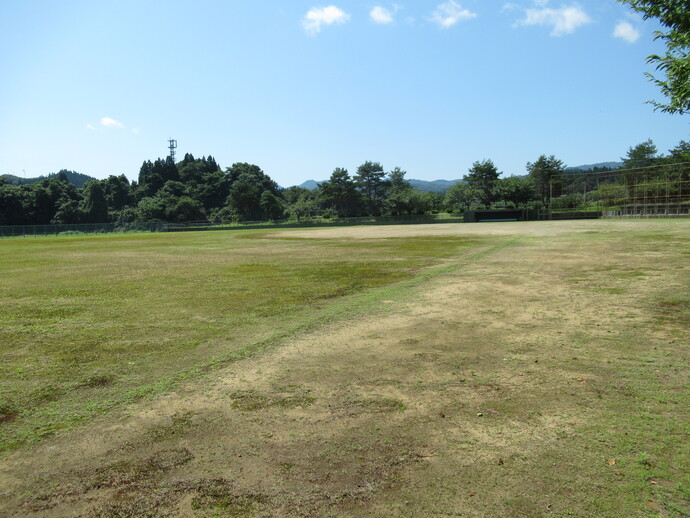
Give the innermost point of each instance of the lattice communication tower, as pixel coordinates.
(172, 145)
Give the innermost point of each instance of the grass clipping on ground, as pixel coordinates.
(538, 372)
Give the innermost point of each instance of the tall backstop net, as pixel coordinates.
(661, 191)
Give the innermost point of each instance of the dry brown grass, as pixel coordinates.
(545, 374)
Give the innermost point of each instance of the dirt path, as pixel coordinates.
(464, 398)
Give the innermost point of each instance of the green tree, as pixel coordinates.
(462, 196)
(339, 194)
(14, 208)
(402, 198)
(516, 190)
(151, 208)
(149, 182)
(542, 171)
(294, 193)
(483, 177)
(152, 176)
(680, 153)
(245, 198)
(117, 192)
(213, 191)
(433, 201)
(68, 212)
(371, 182)
(642, 155)
(397, 180)
(185, 209)
(674, 16)
(405, 201)
(47, 196)
(304, 206)
(247, 184)
(94, 207)
(271, 205)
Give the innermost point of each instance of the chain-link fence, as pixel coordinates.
(81, 228)
(159, 226)
(661, 191)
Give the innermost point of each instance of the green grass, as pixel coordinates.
(88, 323)
(579, 411)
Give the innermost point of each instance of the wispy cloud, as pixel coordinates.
(382, 16)
(449, 13)
(317, 17)
(626, 32)
(564, 20)
(91, 127)
(111, 123)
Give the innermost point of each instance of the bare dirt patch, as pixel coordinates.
(504, 387)
(518, 228)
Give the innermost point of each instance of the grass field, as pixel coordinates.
(518, 369)
(90, 322)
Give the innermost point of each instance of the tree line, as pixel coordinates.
(197, 189)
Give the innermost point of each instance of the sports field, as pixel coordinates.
(502, 369)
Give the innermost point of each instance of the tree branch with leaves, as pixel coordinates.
(674, 16)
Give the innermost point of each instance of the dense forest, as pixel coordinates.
(196, 189)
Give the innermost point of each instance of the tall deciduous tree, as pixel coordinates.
(517, 190)
(185, 209)
(461, 196)
(483, 177)
(117, 191)
(674, 16)
(247, 184)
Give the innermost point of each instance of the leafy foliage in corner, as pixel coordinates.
(674, 16)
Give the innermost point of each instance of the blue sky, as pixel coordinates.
(301, 87)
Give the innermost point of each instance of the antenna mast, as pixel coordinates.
(172, 145)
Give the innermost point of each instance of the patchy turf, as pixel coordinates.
(540, 371)
(90, 323)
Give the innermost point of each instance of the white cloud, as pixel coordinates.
(563, 21)
(111, 123)
(626, 32)
(512, 6)
(89, 126)
(381, 15)
(449, 13)
(318, 16)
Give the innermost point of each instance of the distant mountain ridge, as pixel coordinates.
(439, 186)
(589, 167)
(76, 179)
(310, 184)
